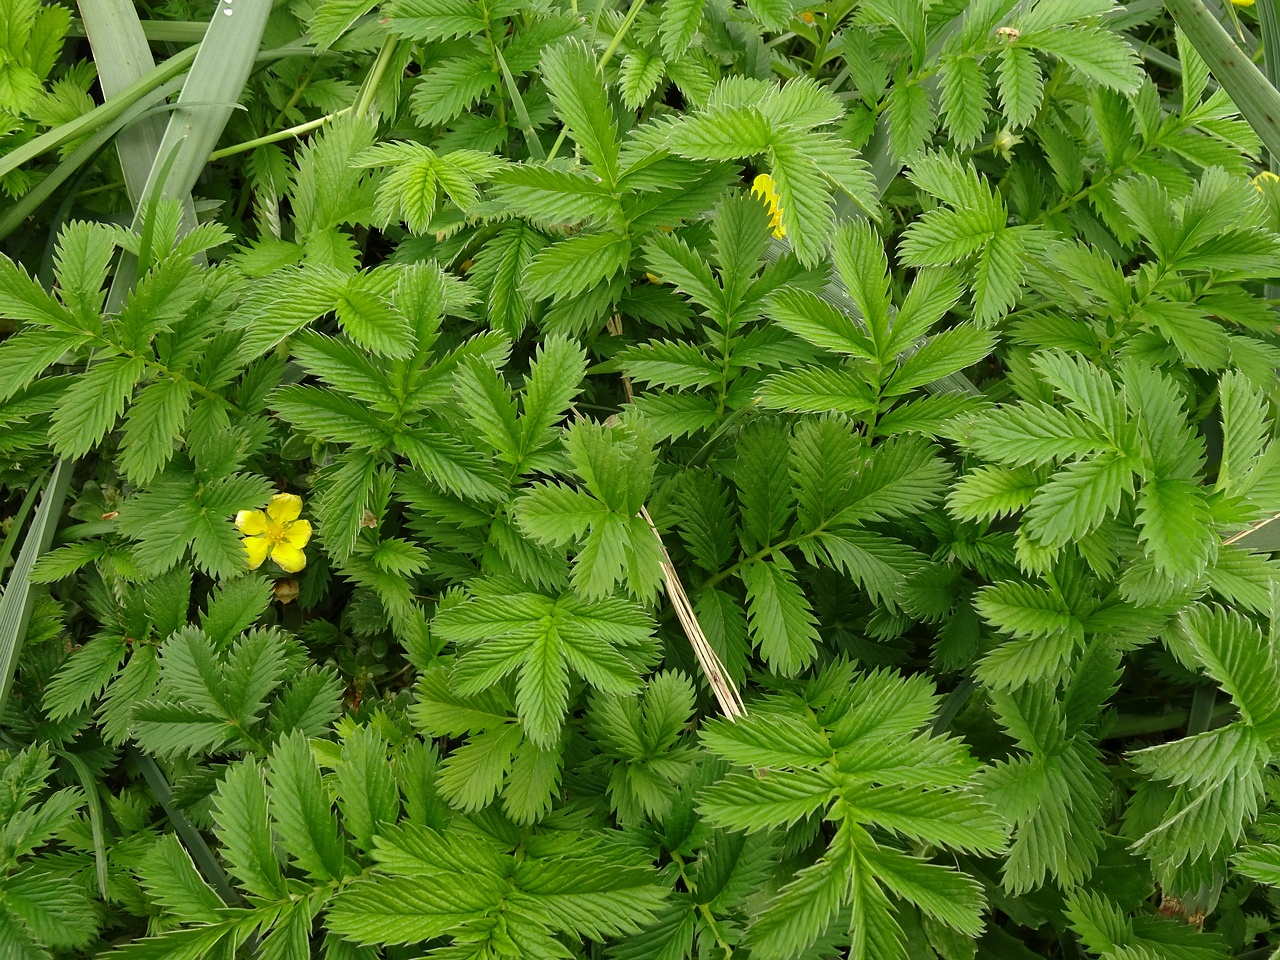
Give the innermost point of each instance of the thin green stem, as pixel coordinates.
(295, 96)
(364, 100)
(294, 131)
(369, 89)
(517, 104)
(628, 20)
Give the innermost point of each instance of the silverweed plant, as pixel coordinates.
(662, 480)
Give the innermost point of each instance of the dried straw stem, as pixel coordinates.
(731, 704)
(1248, 530)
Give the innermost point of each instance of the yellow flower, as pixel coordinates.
(1266, 176)
(277, 533)
(764, 188)
(1242, 3)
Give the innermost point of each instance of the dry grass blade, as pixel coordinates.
(1247, 531)
(730, 700)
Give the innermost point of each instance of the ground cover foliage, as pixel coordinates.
(926, 344)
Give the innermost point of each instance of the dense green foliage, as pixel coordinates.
(926, 346)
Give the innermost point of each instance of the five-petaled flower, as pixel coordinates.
(276, 533)
(764, 188)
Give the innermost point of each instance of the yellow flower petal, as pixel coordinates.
(297, 534)
(284, 507)
(763, 186)
(256, 548)
(1242, 3)
(289, 558)
(252, 522)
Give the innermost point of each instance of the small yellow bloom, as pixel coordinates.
(1242, 3)
(764, 187)
(277, 533)
(807, 17)
(652, 278)
(1266, 176)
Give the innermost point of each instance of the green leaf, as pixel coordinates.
(83, 676)
(542, 638)
(302, 812)
(638, 77)
(912, 118)
(782, 624)
(332, 18)
(1175, 526)
(1079, 498)
(964, 99)
(803, 909)
(1097, 53)
(1021, 85)
(240, 817)
(1234, 652)
(233, 608)
(171, 879)
(436, 19)
(580, 99)
(946, 895)
(940, 356)
(680, 22)
(366, 792)
(990, 492)
(743, 801)
(570, 267)
(764, 740)
(474, 773)
(153, 427)
(91, 406)
(864, 271)
(369, 320)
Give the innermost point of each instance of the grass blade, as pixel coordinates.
(89, 784)
(122, 55)
(100, 115)
(213, 88)
(30, 201)
(183, 827)
(19, 592)
(1257, 100)
(19, 521)
(172, 31)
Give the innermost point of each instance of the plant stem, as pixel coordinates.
(295, 131)
(636, 7)
(364, 101)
